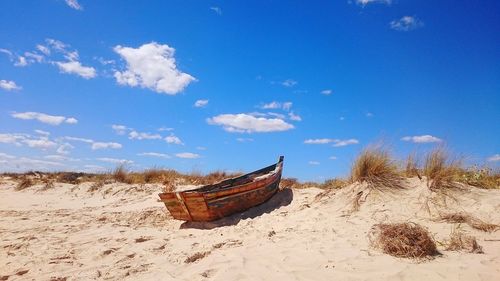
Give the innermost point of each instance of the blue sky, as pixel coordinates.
(231, 85)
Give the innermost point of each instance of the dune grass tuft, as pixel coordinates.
(460, 241)
(404, 240)
(462, 217)
(440, 169)
(24, 183)
(120, 174)
(411, 167)
(375, 166)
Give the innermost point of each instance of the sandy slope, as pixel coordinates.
(120, 232)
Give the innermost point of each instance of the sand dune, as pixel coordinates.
(120, 232)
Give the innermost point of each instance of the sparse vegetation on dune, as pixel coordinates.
(375, 166)
(459, 241)
(462, 217)
(441, 171)
(404, 240)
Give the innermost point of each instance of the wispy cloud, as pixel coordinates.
(201, 103)
(314, 163)
(105, 145)
(155, 154)
(406, 23)
(74, 4)
(278, 105)
(119, 129)
(173, 139)
(134, 135)
(245, 123)
(494, 158)
(332, 157)
(115, 160)
(289, 83)
(152, 66)
(294, 117)
(75, 67)
(187, 155)
(326, 92)
(336, 142)
(217, 10)
(9, 85)
(367, 2)
(421, 139)
(44, 118)
(244, 139)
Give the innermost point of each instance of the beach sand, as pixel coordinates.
(121, 232)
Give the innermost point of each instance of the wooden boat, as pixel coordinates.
(229, 196)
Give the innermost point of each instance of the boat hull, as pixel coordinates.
(207, 205)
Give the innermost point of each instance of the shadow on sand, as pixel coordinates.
(282, 198)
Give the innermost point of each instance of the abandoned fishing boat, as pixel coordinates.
(214, 201)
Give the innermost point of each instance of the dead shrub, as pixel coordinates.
(375, 166)
(48, 183)
(196, 256)
(24, 183)
(335, 183)
(459, 241)
(462, 217)
(411, 167)
(440, 169)
(120, 174)
(68, 177)
(404, 240)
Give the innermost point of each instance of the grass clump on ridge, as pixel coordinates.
(404, 240)
(441, 171)
(375, 166)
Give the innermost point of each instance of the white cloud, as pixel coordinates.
(289, 83)
(11, 138)
(294, 117)
(105, 145)
(155, 154)
(9, 85)
(64, 148)
(313, 163)
(273, 114)
(366, 2)
(60, 158)
(43, 133)
(43, 49)
(71, 120)
(494, 158)
(245, 123)
(134, 135)
(278, 105)
(244, 139)
(201, 148)
(79, 139)
(21, 61)
(115, 160)
(406, 23)
(272, 105)
(187, 155)
(422, 139)
(34, 57)
(326, 92)
(75, 67)
(6, 156)
(201, 103)
(217, 10)
(336, 142)
(119, 129)
(339, 143)
(319, 141)
(173, 139)
(165, 129)
(369, 114)
(332, 158)
(41, 143)
(74, 4)
(44, 118)
(152, 66)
